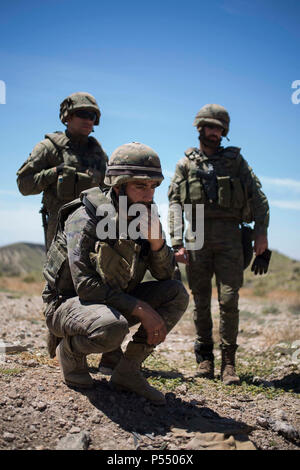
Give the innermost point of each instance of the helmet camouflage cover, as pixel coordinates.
(133, 161)
(213, 114)
(77, 101)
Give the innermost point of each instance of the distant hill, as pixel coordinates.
(19, 259)
(283, 274)
(27, 259)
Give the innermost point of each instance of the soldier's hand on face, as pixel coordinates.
(151, 229)
(260, 244)
(182, 256)
(152, 322)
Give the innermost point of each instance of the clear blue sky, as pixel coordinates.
(151, 67)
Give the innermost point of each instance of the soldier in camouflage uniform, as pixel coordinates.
(94, 292)
(223, 181)
(65, 163)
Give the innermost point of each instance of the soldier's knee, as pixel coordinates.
(109, 336)
(229, 304)
(180, 292)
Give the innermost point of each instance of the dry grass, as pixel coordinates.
(284, 334)
(18, 285)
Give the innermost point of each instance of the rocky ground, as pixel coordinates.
(37, 411)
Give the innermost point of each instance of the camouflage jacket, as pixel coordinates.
(238, 190)
(70, 268)
(85, 164)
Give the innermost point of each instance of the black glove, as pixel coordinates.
(261, 263)
(60, 168)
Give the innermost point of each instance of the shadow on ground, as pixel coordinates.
(136, 415)
(289, 383)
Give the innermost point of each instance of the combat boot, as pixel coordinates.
(228, 374)
(52, 343)
(128, 376)
(73, 364)
(109, 361)
(205, 360)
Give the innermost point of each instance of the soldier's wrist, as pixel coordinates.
(176, 248)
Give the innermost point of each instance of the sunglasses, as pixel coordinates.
(83, 114)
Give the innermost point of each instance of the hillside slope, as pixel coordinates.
(19, 259)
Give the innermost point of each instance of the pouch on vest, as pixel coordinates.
(196, 192)
(66, 184)
(116, 265)
(56, 257)
(224, 191)
(238, 193)
(83, 182)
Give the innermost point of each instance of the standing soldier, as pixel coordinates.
(94, 290)
(65, 163)
(222, 180)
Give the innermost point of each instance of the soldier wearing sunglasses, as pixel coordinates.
(65, 163)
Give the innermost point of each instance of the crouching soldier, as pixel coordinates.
(94, 287)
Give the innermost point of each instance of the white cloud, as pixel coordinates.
(281, 204)
(284, 183)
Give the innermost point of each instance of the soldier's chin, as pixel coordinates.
(213, 144)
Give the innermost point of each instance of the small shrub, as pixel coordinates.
(272, 309)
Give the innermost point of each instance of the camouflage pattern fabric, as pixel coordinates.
(105, 327)
(85, 164)
(95, 308)
(239, 198)
(133, 161)
(78, 101)
(244, 201)
(212, 114)
(221, 255)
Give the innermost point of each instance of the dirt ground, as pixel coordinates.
(37, 411)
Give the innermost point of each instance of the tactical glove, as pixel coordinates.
(261, 263)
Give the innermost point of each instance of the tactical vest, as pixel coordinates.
(231, 195)
(82, 169)
(56, 271)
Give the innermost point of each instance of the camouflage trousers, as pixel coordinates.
(105, 328)
(221, 255)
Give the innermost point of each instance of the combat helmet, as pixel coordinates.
(133, 161)
(77, 101)
(212, 114)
